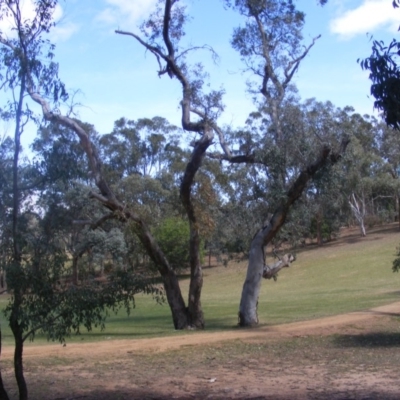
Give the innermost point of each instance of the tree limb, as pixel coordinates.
(294, 64)
(270, 271)
(298, 186)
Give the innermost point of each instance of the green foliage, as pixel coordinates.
(55, 308)
(385, 77)
(173, 235)
(326, 229)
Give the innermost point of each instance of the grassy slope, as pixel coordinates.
(347, 275)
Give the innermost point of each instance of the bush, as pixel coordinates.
(173, 236)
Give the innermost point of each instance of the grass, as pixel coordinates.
(346, 275)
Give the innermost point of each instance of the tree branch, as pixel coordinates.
(154, 50)
(294, 64)
(270, 271)
(298, 186)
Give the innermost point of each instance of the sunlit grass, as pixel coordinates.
(340, 277)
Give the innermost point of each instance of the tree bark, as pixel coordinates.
(359, 212)
(18, 364)
(75, 270)
(175, 300)
(3, 392)
(196, 316)
(319, 227)
(16, 266)
(251, 287)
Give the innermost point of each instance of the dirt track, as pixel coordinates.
(322, 326)
(351, 356)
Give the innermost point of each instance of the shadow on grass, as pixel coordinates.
(353, 237)
(368, 340)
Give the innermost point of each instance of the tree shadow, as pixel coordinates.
(369, 340)
(351, 237)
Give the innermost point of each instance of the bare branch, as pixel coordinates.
(270, 271)
(167, 20)
(294, 64)
(96, 224)
(269, 72)
(239, 159)
(154, 50)
(298, 186)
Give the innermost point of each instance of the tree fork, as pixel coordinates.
(255, 270)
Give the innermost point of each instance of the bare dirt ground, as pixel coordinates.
(351, 356)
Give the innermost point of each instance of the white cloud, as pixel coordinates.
(125, 11)
(62, 31)
(27, 12)
(369, 16)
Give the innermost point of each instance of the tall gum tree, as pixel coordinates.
(270, 45)
(161, 35)
(167, 26)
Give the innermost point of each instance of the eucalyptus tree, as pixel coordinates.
(388, 143)
(363, 168)
(270, 44)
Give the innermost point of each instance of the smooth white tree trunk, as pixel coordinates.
(251, 287)
(256, 270)
(359, 210)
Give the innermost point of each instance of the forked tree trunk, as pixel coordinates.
(195, 312)
(175, 300)
(255, 270)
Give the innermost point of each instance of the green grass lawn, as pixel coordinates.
(345, 275)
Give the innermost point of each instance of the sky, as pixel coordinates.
(112, 76)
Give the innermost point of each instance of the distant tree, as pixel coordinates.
(388, 142)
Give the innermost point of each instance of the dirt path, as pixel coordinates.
(352, 356)
(321, 326)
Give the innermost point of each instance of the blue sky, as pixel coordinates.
(116, 77)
